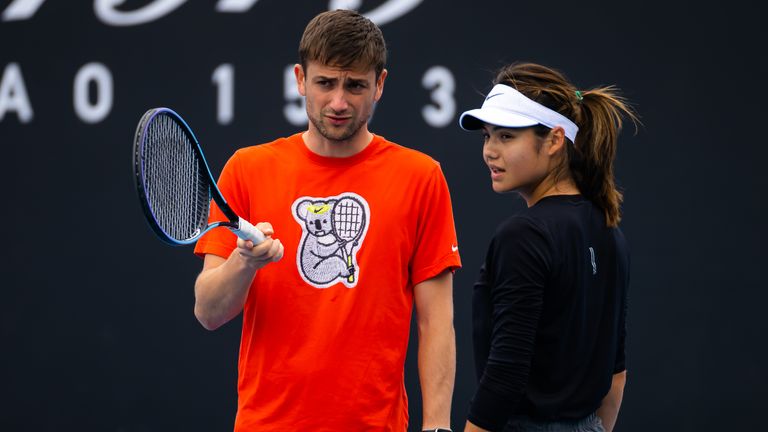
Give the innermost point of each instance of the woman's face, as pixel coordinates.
(516, 159)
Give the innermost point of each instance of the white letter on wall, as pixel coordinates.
(20, 10)
(107, 11)
(13, 94)
(234, 6)
(99, 75)
(440, 80)
(224, 79)
(295, 109)
(385, 13)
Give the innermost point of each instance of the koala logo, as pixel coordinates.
(333, 228)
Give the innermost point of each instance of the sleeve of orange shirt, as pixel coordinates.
(221, 241)
(436, 247)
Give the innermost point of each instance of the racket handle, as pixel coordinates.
(351, 268)
(247, 231)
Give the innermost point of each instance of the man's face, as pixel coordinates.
(339, 101)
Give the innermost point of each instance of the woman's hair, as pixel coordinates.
(597, 112)
(345, 39)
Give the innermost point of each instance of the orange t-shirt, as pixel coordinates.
(325, 330)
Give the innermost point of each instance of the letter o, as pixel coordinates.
(99, 75)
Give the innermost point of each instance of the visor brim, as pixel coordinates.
(476, 118)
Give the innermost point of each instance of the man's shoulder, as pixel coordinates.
(268, 149)
(408, 156)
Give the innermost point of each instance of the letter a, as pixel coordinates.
(13, 94)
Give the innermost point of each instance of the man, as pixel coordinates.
(367, 231)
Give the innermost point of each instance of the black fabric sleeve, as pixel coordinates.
(620, 364)
(520, 263)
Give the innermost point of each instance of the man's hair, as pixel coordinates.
(344, 39)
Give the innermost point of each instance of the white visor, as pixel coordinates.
(506, 107)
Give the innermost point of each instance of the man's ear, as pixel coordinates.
(556, 140)
(380, 85)
(300, 79)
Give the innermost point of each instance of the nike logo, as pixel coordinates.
(493, 95)
(454, 248)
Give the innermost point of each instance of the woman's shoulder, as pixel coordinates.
(521, 225)
(562, 212)
(521, 238)
(543, 220)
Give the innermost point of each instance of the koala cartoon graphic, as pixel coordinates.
(333, 228)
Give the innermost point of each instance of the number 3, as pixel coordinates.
(440, 80)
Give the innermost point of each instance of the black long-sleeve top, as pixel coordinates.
(549, 314)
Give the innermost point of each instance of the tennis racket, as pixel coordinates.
(174, 182)
(348, 225)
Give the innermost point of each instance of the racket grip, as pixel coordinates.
(246, 231)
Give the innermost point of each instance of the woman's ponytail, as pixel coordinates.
(598, 113)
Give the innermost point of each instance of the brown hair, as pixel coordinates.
(343, 38)
(597, 112)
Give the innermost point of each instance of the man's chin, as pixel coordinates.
(339, 135)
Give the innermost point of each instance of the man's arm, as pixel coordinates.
(609, 410)
(222, 287)
(437, 348)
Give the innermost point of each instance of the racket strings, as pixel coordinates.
(348, 219)
(175, 187)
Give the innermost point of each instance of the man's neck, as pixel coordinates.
(322, 146)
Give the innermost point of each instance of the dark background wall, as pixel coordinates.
(96, 324)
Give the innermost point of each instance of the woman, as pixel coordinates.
(549, 306)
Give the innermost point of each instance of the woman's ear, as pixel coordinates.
(556, 140)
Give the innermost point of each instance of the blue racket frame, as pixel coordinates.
(139, 177)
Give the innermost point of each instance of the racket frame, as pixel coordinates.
(347, 255)
(238, 225)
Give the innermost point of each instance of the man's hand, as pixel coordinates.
(256, 257)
